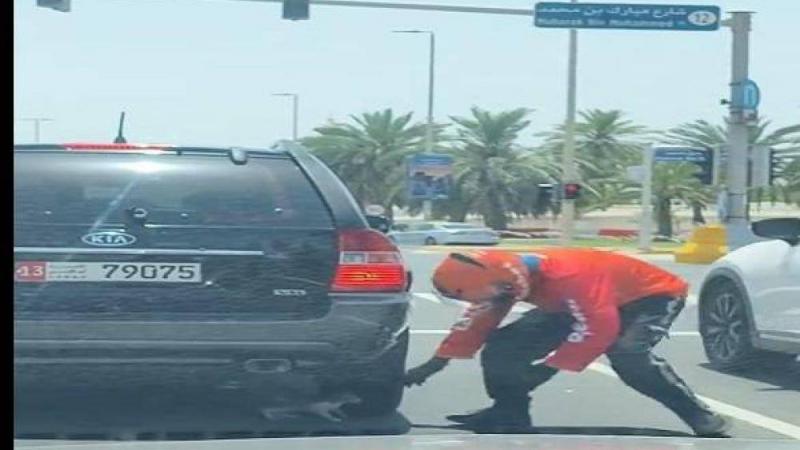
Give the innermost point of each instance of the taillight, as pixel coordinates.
(368, 262)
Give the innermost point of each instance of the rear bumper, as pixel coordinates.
(358, 332)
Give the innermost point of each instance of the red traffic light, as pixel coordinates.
(572, 191)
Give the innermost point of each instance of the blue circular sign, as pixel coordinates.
(749, 95)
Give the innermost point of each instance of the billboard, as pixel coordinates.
(429, 176)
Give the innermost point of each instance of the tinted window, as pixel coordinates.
(171, 189)
(422, 227)
(459, 226)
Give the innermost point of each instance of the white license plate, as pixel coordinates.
(161, 272)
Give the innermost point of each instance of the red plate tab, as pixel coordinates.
(30, 271)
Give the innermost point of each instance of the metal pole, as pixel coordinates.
(427, 204)
(295, 112)
(646, 225)
(419, 7)
(429, 127)
(427, 209)
(431, 66)
(737, 228)
(570, 173)
(37, 126)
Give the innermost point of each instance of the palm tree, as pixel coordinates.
(790, 181)
(606, 144)
(368, 154)
(603, 193)
(702, 133)
(489, 162)
(788, 166)
(675, 181)
(699, 133)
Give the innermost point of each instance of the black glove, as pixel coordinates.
(419, 374)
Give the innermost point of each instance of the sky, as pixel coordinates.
(201, 72)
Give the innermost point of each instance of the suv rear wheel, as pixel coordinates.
(381, 387)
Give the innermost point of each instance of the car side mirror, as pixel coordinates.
(379, 223)
(785, 229)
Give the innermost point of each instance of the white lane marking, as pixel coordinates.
(751, 417)
(684, 333)
(427, 296)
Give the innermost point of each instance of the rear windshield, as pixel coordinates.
(186, 190)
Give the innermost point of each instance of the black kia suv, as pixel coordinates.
(215, 267)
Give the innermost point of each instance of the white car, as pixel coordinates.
(442, 233)
(749, 306)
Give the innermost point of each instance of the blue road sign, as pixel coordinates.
(746, 95)
(680, 154)
(622, 16)
(430, 176)
(702, 157)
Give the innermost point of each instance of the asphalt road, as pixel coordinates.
(764, 401)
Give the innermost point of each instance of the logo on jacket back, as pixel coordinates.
(108, 239)
(580, 328)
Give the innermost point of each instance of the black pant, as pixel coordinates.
(509, 375)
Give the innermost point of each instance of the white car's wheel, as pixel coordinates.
(430, 240)
(724, 326)
(726, 329)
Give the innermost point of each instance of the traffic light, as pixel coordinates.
(545, 193)
(58, 5)
(706, 173)
(572, 191)
(544, 198)
(775, 169)
(296, 9)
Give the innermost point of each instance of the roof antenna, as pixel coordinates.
(120, 139)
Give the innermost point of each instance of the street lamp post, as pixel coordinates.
(569, 169)
(37, 121)
(427, 205)
(737, 224)
(295, 110)
(431, 65)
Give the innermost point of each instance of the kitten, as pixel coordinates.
(327, 408)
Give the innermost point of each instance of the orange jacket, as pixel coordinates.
(589, 284)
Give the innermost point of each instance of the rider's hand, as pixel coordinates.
(421, 373)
